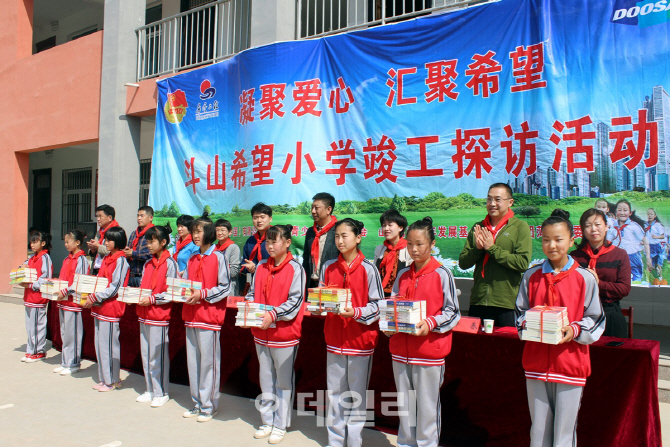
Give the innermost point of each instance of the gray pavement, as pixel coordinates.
(40, 408)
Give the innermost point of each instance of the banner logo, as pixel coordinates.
(206, 110)
(643, 14)
(175, 107)
(206, 90)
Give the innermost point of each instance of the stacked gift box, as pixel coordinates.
(544, 324)
(179, 289)
(398, 315)
(85, 285)
(250, 314)
(132, 295)
(51, 288)
(22, 275)
(328, 299)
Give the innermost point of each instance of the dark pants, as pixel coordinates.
(500, 316)
(134, 281)
(615, 322)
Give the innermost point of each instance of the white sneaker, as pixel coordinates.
(69, 371)
(56, 370)
(144, 398)
(204, 417)
(25, 357)
(193, 412)
(263, 431)
(277, 436)
(159, 401)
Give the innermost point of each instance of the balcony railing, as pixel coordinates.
(318, 18)
(200, 36)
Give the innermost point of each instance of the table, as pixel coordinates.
(484, 393)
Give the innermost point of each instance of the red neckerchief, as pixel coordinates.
(494, 231)
(139, 234)
(222, 247)
(552, 280)
(156, 263)
(257, 248)
(37, 256)
(430, 267)
(390, 258)
(197, 276)
(594, 257)
(273, 269)
(181, 244)
(619, 232)
(347, 269)
(648, 227)
(102, 232)
(108, 260)
(72, 266)
(318, 234)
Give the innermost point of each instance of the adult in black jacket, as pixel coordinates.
(320, 239)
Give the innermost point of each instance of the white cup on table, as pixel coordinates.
(488, 326)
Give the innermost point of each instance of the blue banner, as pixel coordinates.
(559, 100)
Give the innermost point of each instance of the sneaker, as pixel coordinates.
(58, 369)
(98, 385)
(263, 431)
(204, 417)
(193, 412)
(25, 357)
(277, 436)
(35, 357)
(105, 389)
(118, 385)
(159, 401)
(144, 398)
(69, 371)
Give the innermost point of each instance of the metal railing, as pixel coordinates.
(203, 35)
(316, 18)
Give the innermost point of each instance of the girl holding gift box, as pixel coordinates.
(351, 335)
(556, 374)
(36, 306)
(418, 360)
(280, 282)
(109, 311)
(71, 325)
(392, 255)
(609, 264)
(153, 314)
(203, 314)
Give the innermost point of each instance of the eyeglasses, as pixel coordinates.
(497, 200)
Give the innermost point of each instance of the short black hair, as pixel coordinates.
(146, 209)
(159, 233)
(393, 216)
(261, 208)
(118, 236)
(504, 186)
(425, 224)
(208, 229)
(279, 230)
(107, 209)
(223, 223)
(326, 198)
(42, 237)
(185, 220)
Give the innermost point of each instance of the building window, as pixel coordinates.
(77, 194)
(45, 44)
(145, 180)
(83, 32)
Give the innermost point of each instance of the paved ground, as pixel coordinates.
(40, 408)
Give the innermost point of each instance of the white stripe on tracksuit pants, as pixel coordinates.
(155, 358)
(203, 355)
(277, 380)
(36, 327)
(72, 335)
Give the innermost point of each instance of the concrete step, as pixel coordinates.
(663, 389)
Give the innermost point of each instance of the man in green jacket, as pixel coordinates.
(500, 248)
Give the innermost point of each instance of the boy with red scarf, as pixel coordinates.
(499, 248)
(418, 360)
(203, 314)
(153, 314)
(280, 282)
(36, 306)
(254, 250)
(137, 251)
(108, 312)
(556, 374)
(71, 325)
(320, 238)
(392, 255)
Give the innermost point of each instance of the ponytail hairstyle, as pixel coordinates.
(77, 235)
(425, 224)
(279, 230)
(356, 226)
(559, 216)
(167, 227)
(41, 236)
(633, 217)
(159, 233)
(582, 222)
(208, 228)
